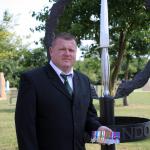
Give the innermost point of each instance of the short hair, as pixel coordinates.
(63, 35)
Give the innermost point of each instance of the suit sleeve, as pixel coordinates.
(25, 115)
(92, 122)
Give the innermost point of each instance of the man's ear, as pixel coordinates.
(50, 50)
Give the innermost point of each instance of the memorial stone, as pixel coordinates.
(2, 85)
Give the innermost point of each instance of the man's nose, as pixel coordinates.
(67, 51)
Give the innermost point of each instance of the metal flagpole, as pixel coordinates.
(106, 101)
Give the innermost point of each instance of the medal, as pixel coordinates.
(105, 137)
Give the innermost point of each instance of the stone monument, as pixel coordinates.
(2, 86)
(130, 128)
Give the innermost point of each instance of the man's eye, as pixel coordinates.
(62, 49)
(71, 50)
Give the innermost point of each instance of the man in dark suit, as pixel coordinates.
(52, 113)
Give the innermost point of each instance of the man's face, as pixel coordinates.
(63, 54)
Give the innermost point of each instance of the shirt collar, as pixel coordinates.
(59, 71)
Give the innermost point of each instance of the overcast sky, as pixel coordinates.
(22, 10)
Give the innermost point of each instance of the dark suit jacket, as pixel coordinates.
(47, 118)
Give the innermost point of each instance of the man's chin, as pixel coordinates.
(67, 64)
(67, 67)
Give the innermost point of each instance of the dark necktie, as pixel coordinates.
(66, 83)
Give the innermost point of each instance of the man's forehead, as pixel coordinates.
(64, 41)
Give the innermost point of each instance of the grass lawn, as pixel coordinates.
(7, 126)
(139, 106)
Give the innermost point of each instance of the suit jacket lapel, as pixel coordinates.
(55, 80)
(76, 87)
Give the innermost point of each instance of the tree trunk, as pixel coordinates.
(125, 100)
(122, 43)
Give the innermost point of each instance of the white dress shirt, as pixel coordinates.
(59, 71)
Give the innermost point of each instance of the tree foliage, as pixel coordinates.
(15, 57)
(90, 67)
(127, 20)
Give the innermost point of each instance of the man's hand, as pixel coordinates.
(106, 129)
